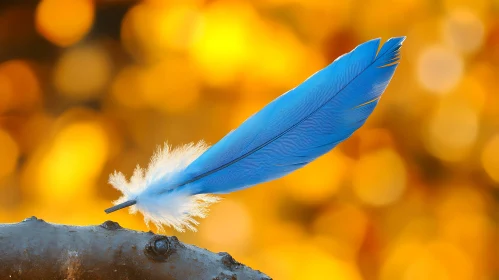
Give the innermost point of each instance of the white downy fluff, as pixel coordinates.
(174, 209)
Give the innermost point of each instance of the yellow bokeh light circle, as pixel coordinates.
(64, 22)
(277, 57)
(379, 177)
(72, 161)
(150, 30)
(452, 130)
(490, 158)
(19, 85)
(439, 69)
(82, 72)
(463, 30)
(9, 152)
(222, 43)
(178, 26)
(171, 86)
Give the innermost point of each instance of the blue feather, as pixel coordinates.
(294, 129)
(300, 125)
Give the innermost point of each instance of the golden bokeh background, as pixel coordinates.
(89, 87)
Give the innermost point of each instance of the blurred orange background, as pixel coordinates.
(89, 87)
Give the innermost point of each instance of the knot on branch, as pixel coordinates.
(160, 247)
(110, 225)
(33, 218)
(228, 261)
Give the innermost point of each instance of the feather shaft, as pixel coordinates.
(125, 204)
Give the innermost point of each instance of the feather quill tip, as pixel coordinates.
(174, 208)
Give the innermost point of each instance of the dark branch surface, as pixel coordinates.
(35, 249)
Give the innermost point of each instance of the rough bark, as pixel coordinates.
(35, 249)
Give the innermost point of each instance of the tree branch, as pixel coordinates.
(35, 249)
